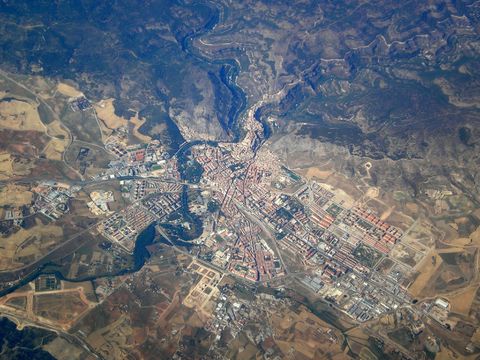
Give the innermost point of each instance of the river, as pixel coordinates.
(229, 71)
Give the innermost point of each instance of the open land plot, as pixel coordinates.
(68, 90)
(241, 348)
(43, 86)
(448, 279)
(55, 307)
(82, 125)
(28, 144)
(17, 302)
(443, 271)
(453, 341)
(473, 240)
(86, 287)
(15, 195)
(62, 349)
(113, 186)
(203, 294)
(475, 311)
(340, 195)
(27, 114)
(79, 206)
(400, 211)
(366, 255)
(462, 301)
(57, 130)
(93, 163)
(385, 265)
(460, 202)
(357, 340)
(62, 308)
(119, 327)
(52, 170)
(91, 260)
(110, 121)
(54, 149)
(315, 173)
(9, 86)
(426, 269)
(28, 245)
(35, 90)
(345, 192)
(37, 84)
(21, 165)
(407, 255)
(421, 235)
(458, 269)
(307, 334)
(135, 123)
(465, 225)
(114, 340)
(401, 274)
(397, 218)
(6, 166)
(20, 115)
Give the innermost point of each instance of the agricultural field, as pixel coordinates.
(302, 333)
(62, 308)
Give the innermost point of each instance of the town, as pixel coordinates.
(261, 218)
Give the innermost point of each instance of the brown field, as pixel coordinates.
(462, 301)
(97, 158)
(106, 114)
(411, 207)
(28, 243)
(54, 149)
(472, 240)
(20, 115)
(6, 166)
(68, 90)
(306, 333)
(23, 116)
(386, 214)
(59, 141)
(357, 339)
(45, 88)
(85, 287)
(62, 349)
(427, 269)
(61, 308)
(410, 256)
(17, 302)
(109, 121)
(57, 129)
(137, 122)
(58, 308)
(448, 354)
(344, 190)
(112, 340)
(430, 273)
(22, 166)
(26, 143)
(475, 236)
(15, 195)
(315, 172)
(372, 193)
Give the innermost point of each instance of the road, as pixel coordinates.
(209, 264)
(265, 229)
